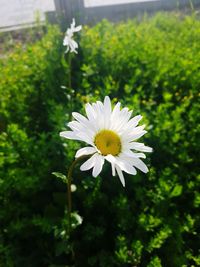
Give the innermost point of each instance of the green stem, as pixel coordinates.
(69, 182)
(70, 83)
(69, 71)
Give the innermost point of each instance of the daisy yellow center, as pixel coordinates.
(108, 142)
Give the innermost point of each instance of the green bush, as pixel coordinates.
(31, 115)
(153, 68)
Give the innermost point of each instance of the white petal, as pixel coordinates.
(88, 164)
(140, 165)
(99, 161)
(129, 153)
(115, 112)
(79, 117)
(73, 23)
(140, 147)
(85, 151)
(78, 28)
(112, 161)
(67, 49)
(107, 112)
(85, 133)
(69, 33)
(133, 122)
(120, 120)
(84, 121)
(138, 135)
(69, 135)
(110, 158)
(127, 132)
(66, 41)
(107, 105)
(73, 45)
(92, 116)
(113, 169)
(138, 129)
(126, 166)
(75, 125)
(133, 136)
(85, 137)
(129, 169)
(121, 176)
(99, 107)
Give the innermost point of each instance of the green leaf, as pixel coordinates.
(155, 262)
(60, 176)
(177, 190)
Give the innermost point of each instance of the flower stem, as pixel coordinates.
(71, 93)
(69, 182)
(69, 72)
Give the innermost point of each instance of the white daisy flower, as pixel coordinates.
(68, 40)
(111, 136)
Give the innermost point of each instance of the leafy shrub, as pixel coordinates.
(153, 68)
(31, 115)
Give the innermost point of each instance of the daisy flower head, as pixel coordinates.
(68, 39)
(111, 136)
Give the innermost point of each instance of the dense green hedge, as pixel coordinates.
(31, 115)
(153, 68)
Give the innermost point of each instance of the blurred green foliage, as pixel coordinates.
(31, 115)
(153, 68)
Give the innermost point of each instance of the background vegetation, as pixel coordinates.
(153, 67)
